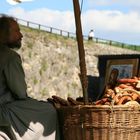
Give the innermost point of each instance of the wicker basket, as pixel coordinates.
(90, 122)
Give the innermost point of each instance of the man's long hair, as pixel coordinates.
(4, 28)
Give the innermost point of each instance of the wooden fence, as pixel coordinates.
(70, 34)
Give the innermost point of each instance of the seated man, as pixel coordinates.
(22, 118)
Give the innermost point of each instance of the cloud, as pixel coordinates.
(104, 22)
(47, 17)
(112, 20)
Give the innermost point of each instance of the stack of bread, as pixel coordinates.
(126, 91)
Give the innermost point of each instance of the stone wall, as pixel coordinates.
(51, 64)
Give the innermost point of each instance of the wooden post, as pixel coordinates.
(79, 36)
(61, 32)
(39, 26)
(27, 23)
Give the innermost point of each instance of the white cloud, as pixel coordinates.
(53, 18)
(112, 21)
(103, 21)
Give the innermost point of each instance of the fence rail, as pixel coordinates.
(70, 34)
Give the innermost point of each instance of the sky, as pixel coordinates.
(117, 20)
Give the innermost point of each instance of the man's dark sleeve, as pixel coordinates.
(15, 77)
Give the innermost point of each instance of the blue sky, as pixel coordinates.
(117, 20)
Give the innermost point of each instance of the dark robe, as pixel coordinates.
(23, 118)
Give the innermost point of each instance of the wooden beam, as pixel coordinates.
(79, 36)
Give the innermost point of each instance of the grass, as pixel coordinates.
(54, 36)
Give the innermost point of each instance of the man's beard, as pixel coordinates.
(14, 45)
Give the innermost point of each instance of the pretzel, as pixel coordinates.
(127, 80)
(124, 99)
(102, 101)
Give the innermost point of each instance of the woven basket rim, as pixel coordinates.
(100, 107)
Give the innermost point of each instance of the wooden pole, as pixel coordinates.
(79, 36)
